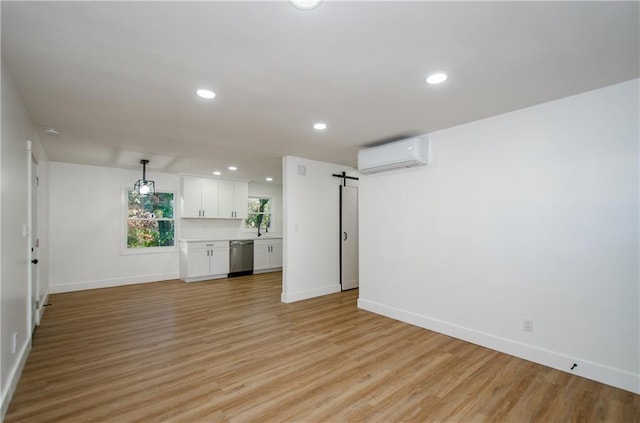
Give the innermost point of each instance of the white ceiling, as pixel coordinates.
(118, 78)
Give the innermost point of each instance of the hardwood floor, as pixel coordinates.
(229, 350)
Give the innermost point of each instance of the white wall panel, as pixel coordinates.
(87, 229)
(15, 304)
(311, 228)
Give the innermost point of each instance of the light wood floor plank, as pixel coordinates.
(230, 351)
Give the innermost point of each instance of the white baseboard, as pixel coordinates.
(14, 377)
(205, 278)
(272, 269)
(588, 369)
(108, 283)
(45, 300)
(290, 297)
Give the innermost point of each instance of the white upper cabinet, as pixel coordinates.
(232, 199)
(210, 193)
(204, 198)
(190, 197)
(198, 197)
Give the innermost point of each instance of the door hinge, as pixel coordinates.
(36, 181)
(37, 304)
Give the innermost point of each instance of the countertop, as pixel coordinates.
(235, 238)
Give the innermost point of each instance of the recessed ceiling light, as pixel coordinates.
(269, 179)
(305, 4)
(208, 94)
(233, 168)
(436, 78)
(217, 173)
(319, 126)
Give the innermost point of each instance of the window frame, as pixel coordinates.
(124, 248)
(258, 197)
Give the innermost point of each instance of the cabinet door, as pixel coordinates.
(275, 258)
(219, 261)
(232, 199)
(260, 257)
(240, 199)
(209, 198)
(191, 197)
(198, 263)
(225, 199)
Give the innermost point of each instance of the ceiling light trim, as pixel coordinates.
(436, 78)
(206, 94)
(305, 4)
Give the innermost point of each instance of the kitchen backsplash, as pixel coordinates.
(204, 228)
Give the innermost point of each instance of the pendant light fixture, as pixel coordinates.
(144, 187)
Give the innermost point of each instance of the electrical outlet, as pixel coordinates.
(14, 342)
(527, 325)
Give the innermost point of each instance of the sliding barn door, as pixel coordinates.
(349, 243)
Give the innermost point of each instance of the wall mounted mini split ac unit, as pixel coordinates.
(404, 153)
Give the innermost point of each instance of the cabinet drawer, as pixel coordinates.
(268, 241)
(203, 245)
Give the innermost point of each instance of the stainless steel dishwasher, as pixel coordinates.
(240, 257)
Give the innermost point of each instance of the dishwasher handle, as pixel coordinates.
(241, 242)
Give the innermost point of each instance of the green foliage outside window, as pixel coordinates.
(259, 213)
(150, 220)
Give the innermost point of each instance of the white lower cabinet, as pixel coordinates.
(203, 260)
(267, 255)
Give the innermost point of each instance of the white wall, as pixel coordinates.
(87, 234)
(15, 304)
(311, 228)
(528, 215)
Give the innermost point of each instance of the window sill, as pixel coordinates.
(148, 250)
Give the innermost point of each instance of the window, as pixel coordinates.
(150, 220)
(259, 213)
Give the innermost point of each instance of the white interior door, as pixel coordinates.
(35, 244)
(349, 223)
